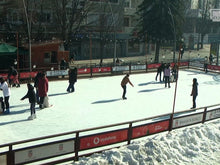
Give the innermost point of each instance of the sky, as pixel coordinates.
(97, 102)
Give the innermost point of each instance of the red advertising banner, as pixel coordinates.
(4, 75)
(213, 67)
(27, 74)
(103, 139)
(84, 70)
(150, 129)
(151, 66)
(102, 69)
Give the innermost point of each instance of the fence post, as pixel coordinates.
(129, 133)
(90, 71)
(204, 115)
(146, 66)
(130, 68)
(77, 147)
(171, 122)
(10, 156)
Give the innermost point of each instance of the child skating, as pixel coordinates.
(32, 100)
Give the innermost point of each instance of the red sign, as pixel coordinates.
(151, 66)
(102, 69)
(84, 70)
(27, 74)
(213, 67)
(150, 129)
(4, 75)
(103, 139)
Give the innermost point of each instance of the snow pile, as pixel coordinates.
(192, 145)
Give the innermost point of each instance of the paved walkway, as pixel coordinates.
(164, 56)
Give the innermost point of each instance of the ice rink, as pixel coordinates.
(97, 102)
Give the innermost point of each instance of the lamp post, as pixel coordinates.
(29, 35)
(174, 99)
(115, 44)
(174, 33)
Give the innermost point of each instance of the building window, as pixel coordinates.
(53, 57)
(126, 22)
(93, 20)
(47, 58)
(127, 3)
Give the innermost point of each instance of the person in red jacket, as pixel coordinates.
(42, 88)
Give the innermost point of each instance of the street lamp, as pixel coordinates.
(29, 35)
(115, 44)
(174, 33)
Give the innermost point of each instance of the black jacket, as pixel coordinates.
(72, 75)
(30, 94)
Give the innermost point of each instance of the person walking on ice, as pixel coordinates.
(32, 100)
(124, 82)
(6, 93)
(167, 75)
(194, 92)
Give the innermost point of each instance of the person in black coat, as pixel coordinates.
(159, 70)
(194, 92)
(32, 100)
(36, 80)
(72, 79)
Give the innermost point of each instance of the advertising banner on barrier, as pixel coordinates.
(149, 129)
(57, 73)
(24, 75)
(102, 69)
(152, 66)
(214, 67)
(45, 151)
(213, 114)
(138, 67)
(84, 70)
(120, 68)
(103, 139)
(4, 75)
(187, 120)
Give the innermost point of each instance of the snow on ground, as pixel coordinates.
(198, 145)
(97, 102)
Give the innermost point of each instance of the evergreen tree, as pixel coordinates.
(161, 20)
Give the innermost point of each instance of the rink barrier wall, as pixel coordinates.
(94, 71)
(110, 70)
(70, 146)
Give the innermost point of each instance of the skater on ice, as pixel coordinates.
(2, 105)
(36, 80)
(194, 92)
(32, 100)
(72, 79)
(6, 93)
(42, 90)
(167, 75)
(159, 70)
(124, 82)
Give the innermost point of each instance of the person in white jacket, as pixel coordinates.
(6, 93)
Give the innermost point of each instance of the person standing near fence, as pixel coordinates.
(159, 70)
(124, 82)
(6, 93)
(36, 80)
(194, 92)
(167, 75)
(72, 79)
(42, 89)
